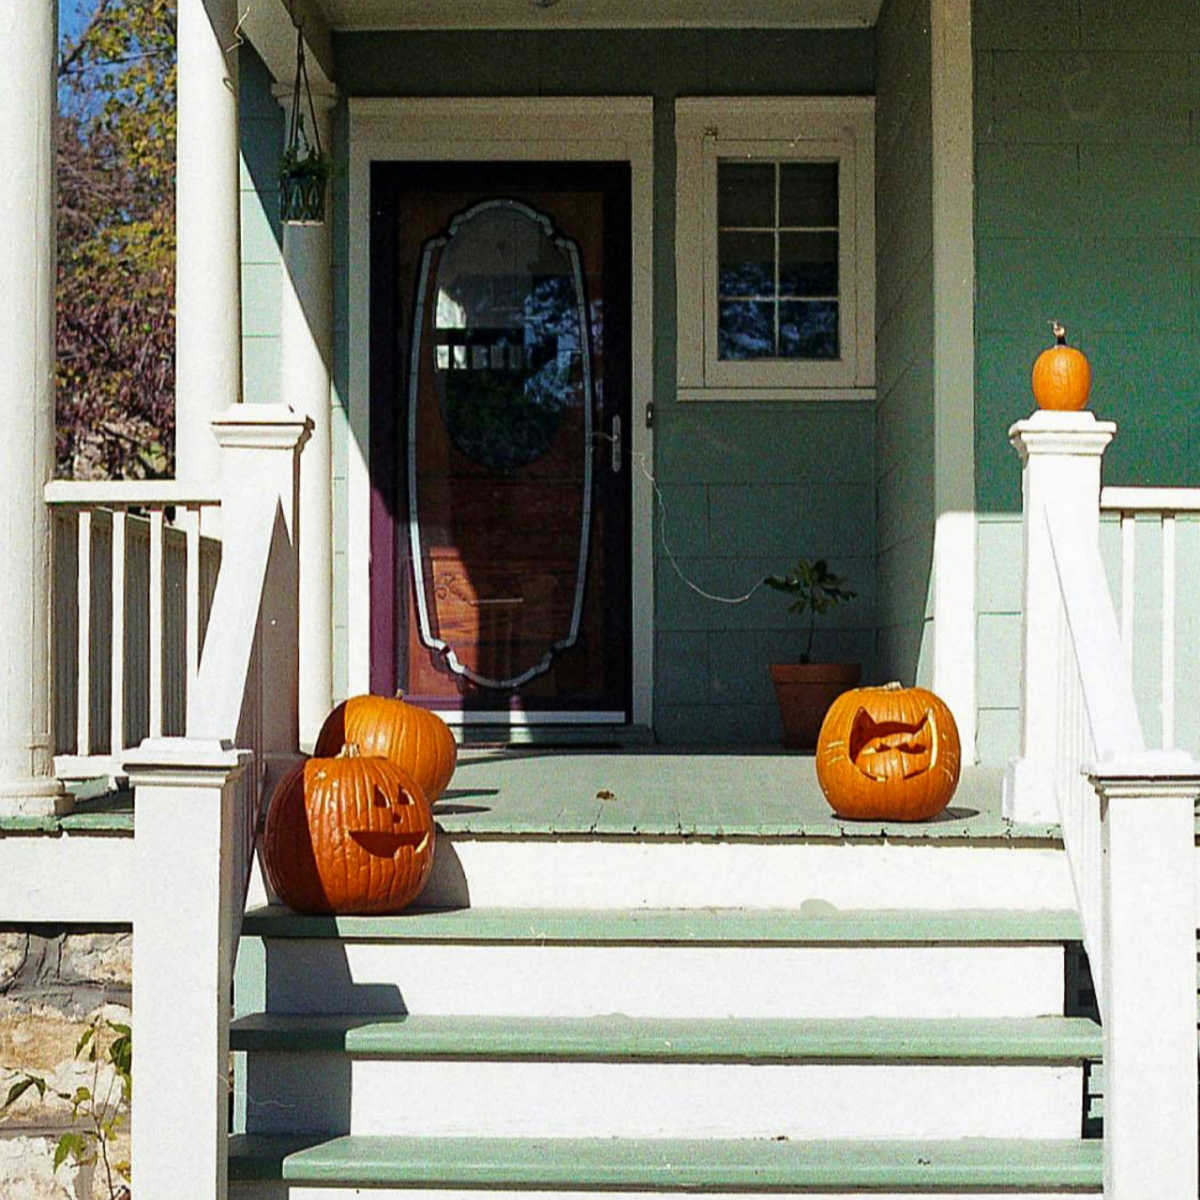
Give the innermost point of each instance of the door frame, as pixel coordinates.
(603, 128)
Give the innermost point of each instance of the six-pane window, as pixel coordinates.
(777, 260)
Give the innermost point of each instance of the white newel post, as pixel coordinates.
(1149, 1000)
(208, 353)
(260, 448)
(182, 964)
(1060, 456)
(306, 358)
(27, 45)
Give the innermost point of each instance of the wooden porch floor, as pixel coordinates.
(654, 792)
(643, 792)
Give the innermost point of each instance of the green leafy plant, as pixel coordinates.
(98, 1112)
(816, 590)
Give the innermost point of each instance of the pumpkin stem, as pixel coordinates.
(893, 685)
(1060, 334)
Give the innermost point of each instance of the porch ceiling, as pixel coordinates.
(568, 14)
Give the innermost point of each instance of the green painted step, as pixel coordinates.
(669, 1165)
(616, 1037)
(816, 923)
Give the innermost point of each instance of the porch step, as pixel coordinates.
(414, 1036)
(817, 962)
(619, 1077)
(609, 1167)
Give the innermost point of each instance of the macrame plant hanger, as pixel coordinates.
(304, 171)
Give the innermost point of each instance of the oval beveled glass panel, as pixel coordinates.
(500, 434)
(507, 355)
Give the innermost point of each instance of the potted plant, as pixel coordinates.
(805, 690)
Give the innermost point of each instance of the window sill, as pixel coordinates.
(774, 393)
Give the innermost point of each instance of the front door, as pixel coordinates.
(500, 408)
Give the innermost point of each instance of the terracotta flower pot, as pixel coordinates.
(805, 691)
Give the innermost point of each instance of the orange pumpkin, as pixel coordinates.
(888, 753)
(418, 742)
(348, 835)
(1062, 376)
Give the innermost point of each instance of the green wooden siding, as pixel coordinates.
(1087, 144)
(262, 234)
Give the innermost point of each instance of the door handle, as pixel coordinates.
(615, 441)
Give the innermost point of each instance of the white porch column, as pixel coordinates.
(28, 47)
(306, 354)
(1149, 1001)
(1060, 455)
(208, 355)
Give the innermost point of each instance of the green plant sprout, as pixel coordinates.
(816, 590)
(96, 1117)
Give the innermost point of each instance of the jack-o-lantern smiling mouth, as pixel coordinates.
(884, 750)
(383, 843)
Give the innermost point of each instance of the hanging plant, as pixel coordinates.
(304, 167)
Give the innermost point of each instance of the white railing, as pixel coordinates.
(1097, 719)
(1126, 813)
(134, 575)
(198, 800)
(1157, 518)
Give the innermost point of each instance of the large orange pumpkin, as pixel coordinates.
(1062, 376)
(888, 753)
(348, 835)
(418, 742)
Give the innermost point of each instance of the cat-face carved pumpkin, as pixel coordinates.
(888, 753)
(348, 835)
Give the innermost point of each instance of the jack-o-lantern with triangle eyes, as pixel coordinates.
(349, 834)
(888, 753)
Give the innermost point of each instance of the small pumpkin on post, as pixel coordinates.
(349, 834)
(888, 753)
(1062, 375)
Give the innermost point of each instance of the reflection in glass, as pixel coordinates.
(808, 264)
(808, 195)
(808, 329)
(508, 344)
(746, 329)
(747, 264)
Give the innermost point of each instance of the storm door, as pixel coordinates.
(500, 408)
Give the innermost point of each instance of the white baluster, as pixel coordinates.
(1168, 631)
(191, 523)
(157, 538)
(116, 720)
(1128, 565)
(83, 584)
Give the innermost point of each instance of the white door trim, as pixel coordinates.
(605, 128)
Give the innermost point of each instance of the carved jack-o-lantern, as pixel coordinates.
(417, 741)
(348, 835)
(888, 753)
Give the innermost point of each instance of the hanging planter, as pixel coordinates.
(304, 168)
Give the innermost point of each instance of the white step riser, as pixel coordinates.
(329, 1093)
(282, 1191)
(654, 873)
(669, 981)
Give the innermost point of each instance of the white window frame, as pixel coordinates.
(774, 129)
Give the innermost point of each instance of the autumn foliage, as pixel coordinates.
(116, 239)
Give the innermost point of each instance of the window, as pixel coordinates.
(775, 248)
